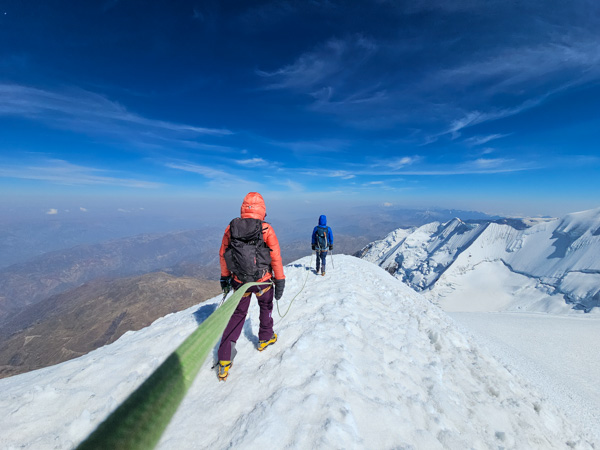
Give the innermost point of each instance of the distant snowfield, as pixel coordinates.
(490, 286)
(552, 267)
(557, 354)
(362, 361)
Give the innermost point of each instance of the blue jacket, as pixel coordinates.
(322, 224)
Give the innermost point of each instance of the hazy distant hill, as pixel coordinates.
(52, 273)
(75, 322)
(183, 253)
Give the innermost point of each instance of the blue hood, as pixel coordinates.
(323, 221)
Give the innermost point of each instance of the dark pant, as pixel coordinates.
(321, 259)
(236, 323)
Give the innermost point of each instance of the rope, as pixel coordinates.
(290, 305)
(138, 423)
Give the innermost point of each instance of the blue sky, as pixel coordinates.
(483, 105)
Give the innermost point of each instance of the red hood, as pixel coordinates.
(253, 207)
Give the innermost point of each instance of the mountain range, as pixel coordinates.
(543, 265)
(77, 321)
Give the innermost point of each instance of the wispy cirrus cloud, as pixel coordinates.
(326, 65)
(524, 76)
(252, 162)
(480, 140)
(361, 81)
(86, 112)
(394, 169)
(216, 176)
(58, 171)
(478, 166)
(343, 174)
(563, 61)
(399, 163)
(313, 146)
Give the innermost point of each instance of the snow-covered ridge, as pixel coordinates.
(558, 259)
(362, 361)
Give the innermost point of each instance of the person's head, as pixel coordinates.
(253, 207)
(323, 220)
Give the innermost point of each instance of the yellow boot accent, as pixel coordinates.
(264, 344)
(224, 370)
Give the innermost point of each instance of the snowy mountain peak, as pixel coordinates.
(362, 361)
(556, 260)
(579, 224)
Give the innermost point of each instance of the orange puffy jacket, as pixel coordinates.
(253, 207)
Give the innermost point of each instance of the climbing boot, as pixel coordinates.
(264, 344)
(224, 369)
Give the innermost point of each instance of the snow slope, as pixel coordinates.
(551, 352)
(551, 266)
(362, 361)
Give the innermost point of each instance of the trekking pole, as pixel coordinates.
(332, 265)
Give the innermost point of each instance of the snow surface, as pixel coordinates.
(555, 353)
(362, 361)
(551, 266)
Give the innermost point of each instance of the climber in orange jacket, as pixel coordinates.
(250, 252)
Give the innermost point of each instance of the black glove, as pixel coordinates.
(331, 247)
(313, 247)
(226, 284)
(279, 286)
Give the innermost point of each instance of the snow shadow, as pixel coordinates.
(203, 312)
(299, 266)
(561, 244)
(249, 334)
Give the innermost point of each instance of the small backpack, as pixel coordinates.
(322, 241)
(247, 255)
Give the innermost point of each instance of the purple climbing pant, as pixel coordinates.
(236, 323)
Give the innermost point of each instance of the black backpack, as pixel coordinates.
(247, 256)
(322, 241)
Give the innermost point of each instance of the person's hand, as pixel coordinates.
(279, 286)
(313, 247)
(226, 284)
(331, 247)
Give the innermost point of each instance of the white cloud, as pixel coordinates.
(52, 211)
(252, 162)
(480, 140)
(316, 146)
(399, 163)
(62, 172)
(90, 113)
(82, 209)
(477, 166)
(488, 163)
(312, 70)
(528, 64)
(208, 172)
(293, 185)
(217, 176)
(476, 117)
(344, 175)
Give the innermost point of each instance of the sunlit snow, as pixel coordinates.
(362, 361)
